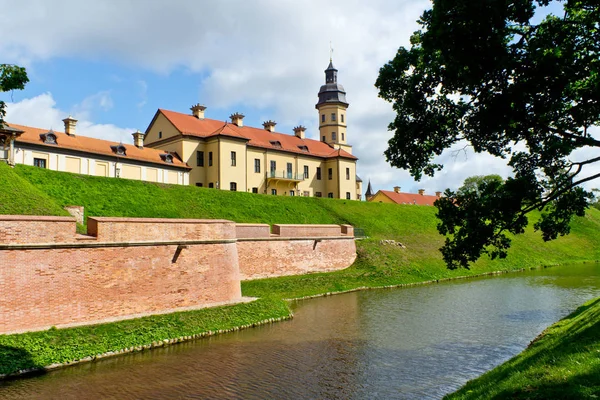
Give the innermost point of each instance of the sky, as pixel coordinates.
(112, 63)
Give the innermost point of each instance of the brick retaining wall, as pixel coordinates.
(127, 267)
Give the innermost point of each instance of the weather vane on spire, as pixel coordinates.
(330, 52)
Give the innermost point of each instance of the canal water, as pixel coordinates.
(412, 343)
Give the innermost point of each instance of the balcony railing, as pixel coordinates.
(286, 175)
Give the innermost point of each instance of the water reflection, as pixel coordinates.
(420, 342)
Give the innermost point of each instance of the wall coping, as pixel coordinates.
(251, 224)
(36, 218)
(310, 225)
(160, 220)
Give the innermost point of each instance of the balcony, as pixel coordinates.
(285, 176)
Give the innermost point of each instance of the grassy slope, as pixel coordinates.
(563, 363)
(19, 197)
(377, 264)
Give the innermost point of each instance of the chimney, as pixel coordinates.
(397, 189)
(237, 119)
(299, 131)
(138, 139)
(70, 124)
(421, 192)
(198, 111)
(438, 194)
(269, 125)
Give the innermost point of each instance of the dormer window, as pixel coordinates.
(167, 157)
(119, 150)
(303, 148)
(48, 137)
(276, 144)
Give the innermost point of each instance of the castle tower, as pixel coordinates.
(332, 108)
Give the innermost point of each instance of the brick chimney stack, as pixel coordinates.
(198, 111)
(70, 124)
(269, 125)
(438, 194)
(300, 132)
(397, 189)
(138, 139)
(237, 119)
(421, 192)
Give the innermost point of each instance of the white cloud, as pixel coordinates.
(41, 112)
(265, 54)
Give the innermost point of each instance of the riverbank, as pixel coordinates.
(562, 363)
(53, 348)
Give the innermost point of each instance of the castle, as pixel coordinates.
(189, 149)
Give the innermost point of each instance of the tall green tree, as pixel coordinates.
(12, 77)
(479, 183)
(483, 74)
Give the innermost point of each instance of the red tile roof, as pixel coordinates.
(95, 146)
(409, 198)
(189, 125)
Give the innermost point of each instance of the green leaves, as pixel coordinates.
(12, 77)
(484, 73)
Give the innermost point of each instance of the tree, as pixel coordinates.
(479, 184)
(12, 77)
(482, 74)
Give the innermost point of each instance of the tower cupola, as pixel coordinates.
(331, 91)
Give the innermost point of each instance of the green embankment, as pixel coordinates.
(563, 363)
(377, 264)
(34, 350)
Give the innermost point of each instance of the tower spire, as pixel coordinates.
(330, 53)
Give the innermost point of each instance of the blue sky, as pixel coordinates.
(111, 64)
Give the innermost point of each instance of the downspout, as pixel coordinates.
(339, 179)
(218, 183)
(11, 151)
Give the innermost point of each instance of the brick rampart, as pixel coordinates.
(127, 267)
(271, 258)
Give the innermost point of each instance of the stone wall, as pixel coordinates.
(129, 267)
(296, 250)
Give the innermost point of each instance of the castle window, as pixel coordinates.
(333, 136)
(318, 194)
(347, 195)
(273, 167)
(276, 144)
(274, 192)
(330, 195)
(210, 158)
(211, 185)
(292, 193)
(347, 174)
(333, 117)
(233, 159)
(289, 170)
(119, 149)
(49, 137)
(160, 134)
(324, 139)
(306, 172)
(303, 148)
(322, 117)
(200, 159)
(254, 190)
(342, 117)
(39, 162)
(166, 157)
(330, 173)
(257, 165)
(199, 184)
(319, 173)
(233, 186)
(342, 135)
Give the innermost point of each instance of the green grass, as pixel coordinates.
(563, 363)
(377, 264)
(19, 197)
(38, 349)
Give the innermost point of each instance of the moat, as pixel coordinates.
(418, 342)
